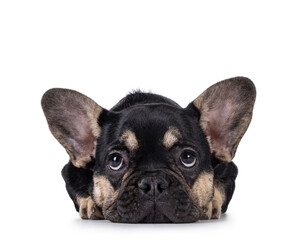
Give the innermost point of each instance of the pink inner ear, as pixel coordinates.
(218, 120)
(82, 138)
(83, 148)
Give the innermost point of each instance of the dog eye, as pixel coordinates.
(115, 161)
(188, 159)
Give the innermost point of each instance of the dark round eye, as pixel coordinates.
(115, 161)
(188, 159)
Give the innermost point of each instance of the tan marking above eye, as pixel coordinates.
(130, 140)
(171, 137)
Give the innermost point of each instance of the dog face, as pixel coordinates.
(148, 160)
(151, 159)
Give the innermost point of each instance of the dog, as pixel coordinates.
(148, 160)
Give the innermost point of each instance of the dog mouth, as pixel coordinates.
(154, 200)
(155, 212)
(158, 211)
(154, 215)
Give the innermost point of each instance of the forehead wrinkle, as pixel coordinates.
(130, 140)
(171, 137)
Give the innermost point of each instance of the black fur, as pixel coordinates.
(147, 159)
(156, 113)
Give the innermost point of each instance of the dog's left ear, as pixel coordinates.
(225, 114)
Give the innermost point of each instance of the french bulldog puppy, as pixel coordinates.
(147, 159)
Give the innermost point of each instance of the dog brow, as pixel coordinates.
(171, 137)
(130, 140)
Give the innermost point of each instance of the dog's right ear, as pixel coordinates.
(73, 120)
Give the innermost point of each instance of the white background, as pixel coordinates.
(105, 49)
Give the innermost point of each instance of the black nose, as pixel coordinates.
(153, 186)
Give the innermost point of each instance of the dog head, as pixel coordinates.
(151, 159)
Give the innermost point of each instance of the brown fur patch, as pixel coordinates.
(217, 202)
(130, 140)
(104, 193)
(88, 208)
(171, 137)
(202, 189)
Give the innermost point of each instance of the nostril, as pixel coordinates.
(153, 186)
(161, 187)
(145, 186)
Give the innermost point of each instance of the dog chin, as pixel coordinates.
(155, 216)
(153, 213)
